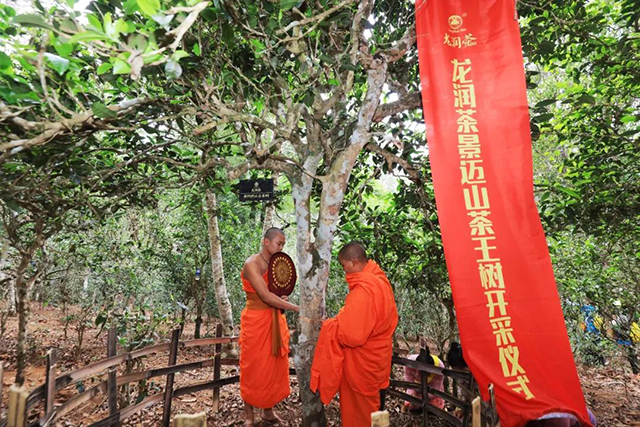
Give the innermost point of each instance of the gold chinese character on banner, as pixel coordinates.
(475, 198)
(465, 95)
(480, 225)
(491, 275)
(469, 146)
(469, 40)
(466, 122)
(468, 140)
(472, 172)
(502, 330)
(484, 248)
(496, 300)
(460, 70)
(520, 386)
(452, 41)
(509, 356)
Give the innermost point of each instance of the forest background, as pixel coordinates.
(125, 126)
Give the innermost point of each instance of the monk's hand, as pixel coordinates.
(284, 298)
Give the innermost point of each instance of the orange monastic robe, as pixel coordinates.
(264, 377)
(364, 331)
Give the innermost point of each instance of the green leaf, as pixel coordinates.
(150, 7)
(628, 119)
(259, 46)
(178, 55)
(122, 26)
(173, 69)
(288, 4)
(58, 63)
(69, 25)
(121, 67)
(95, 22)
(587, 99)
(568, 191)
(543, 117)
(545, 103)
(102, 111)
(87, 36)
(308, 98)
(162, 19)
(101, 319)
(326, 58)
(13, 205)
(32, 20)
(103, 68)
(64, 49)
(196, 49)
(130, 7)
(5, 61)
(227, 34)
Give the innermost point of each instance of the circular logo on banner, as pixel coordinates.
(455, 22)
(282, 274)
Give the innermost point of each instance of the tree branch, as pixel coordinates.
(409, 102)
(393, 159)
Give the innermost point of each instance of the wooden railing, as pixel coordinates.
(45, 393)
(21, 402)
(471, 409)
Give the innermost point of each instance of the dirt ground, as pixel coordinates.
(612, 392)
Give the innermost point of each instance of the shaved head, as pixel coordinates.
(273, 232)
(353, 251)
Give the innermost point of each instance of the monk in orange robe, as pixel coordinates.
(264, 335)
(359, 339)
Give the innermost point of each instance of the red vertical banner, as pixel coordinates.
(475, 106)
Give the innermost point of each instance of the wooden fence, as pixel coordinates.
(22, 402)
(473, 412)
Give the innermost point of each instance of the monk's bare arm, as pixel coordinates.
(252, 273)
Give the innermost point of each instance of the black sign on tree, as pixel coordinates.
(256, 190)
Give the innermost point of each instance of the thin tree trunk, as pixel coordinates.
(314, 258)
(196, 333)
(11, 296)
(22, 285)
(270, 209)
(312, 298)
(217, 268)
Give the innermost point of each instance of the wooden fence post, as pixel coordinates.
(476, 414)
(190, 420)
(50, 384)
(1, 376)
(168, 391)
(380, 419)
(425, 398)
(17, 407)
(112, 390)
(216, 369)
(492, 401)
